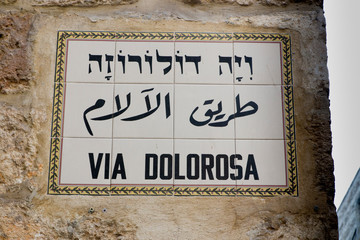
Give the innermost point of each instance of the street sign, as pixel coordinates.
(175, 113)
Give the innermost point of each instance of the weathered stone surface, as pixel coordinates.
(81, 3)
(282, 3)
(6, 2)
(21, 220)
(18, 152)
(28, 212)
(289, 226)
(15, 65)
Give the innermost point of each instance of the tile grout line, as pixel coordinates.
(112, 122)
(180, 83)
(191, 139)
(233, 85)
(173, 127)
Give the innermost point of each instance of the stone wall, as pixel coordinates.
(28, 32)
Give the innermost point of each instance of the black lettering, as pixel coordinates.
(225, 164)
(239, 174)
(119, 167)
(179, 59)
(189, 169)
(251, 168)
(177, 167)
(95, 168)
(225, 60)
(134, 58)
(195, 60)
(207, 167)
(107, 165)
(148, 158)
(96, 58)
(238, 60)
(148, 59)
(121, 58)
(163, 159)
(168, 59)
(109, 58)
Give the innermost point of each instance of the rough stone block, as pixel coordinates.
(6, 2)
(81, 3)
(15, 67)
(282, 3)
(18, 149)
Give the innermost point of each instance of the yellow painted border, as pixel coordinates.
(63, 36)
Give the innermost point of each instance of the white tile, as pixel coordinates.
(85, 161)
(144, 62)
(206, 56)
(80, 100)
(149, 114)
(267, 121)
(90, 61)
(204, 163)
(140, 159)
(263, 163)
(200, 109)
(265, 59)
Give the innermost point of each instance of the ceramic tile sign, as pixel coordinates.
(178, 114)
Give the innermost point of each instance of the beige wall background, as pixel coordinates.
(28, 32)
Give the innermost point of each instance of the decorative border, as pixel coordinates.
(195, 36)
(53, 184)
(269, 37)
(141, 191)
(205, 191)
